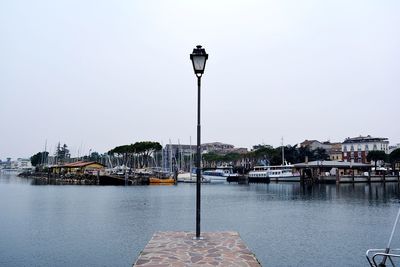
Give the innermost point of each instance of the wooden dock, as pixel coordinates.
(179, 249)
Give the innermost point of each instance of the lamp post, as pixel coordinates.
(198, 58)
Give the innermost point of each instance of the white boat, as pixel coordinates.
(274, 173)
(283, 173)
(190, 177)
(259, 174)
(220, 174)
(277, 173)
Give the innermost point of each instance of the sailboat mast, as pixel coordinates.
(283, 154)
(170, 156)
(45, 154)
(190, 159)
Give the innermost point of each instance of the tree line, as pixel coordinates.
(266, 154)
(144, 152)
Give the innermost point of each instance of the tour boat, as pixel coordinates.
(259, 174)
(277, 173)
(273, 173)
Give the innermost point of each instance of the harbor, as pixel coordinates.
(111, 225)
(199, 134)
(94, 173)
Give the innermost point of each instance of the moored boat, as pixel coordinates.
(220, 174)
(161, 181)
(279, 173)
(259, 174)
(190, 177)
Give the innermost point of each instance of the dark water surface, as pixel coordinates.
(283, 224)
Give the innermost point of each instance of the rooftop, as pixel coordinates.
(78, 164)
(330, 164)
(367, 138)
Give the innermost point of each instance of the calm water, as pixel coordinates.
(283, 224)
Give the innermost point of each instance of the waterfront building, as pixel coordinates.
(314, 144)
(21, 163)
(334, 150)
(79, 167)
(356, 149)
(215, 147)
(5, 164)
(335, 153)
(221, 148)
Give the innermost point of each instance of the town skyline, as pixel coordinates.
(77, 152)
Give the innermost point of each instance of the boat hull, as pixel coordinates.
(214, 179)
(159, 181)
(285, 179)
(259, 179)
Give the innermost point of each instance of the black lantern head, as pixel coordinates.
(199, 58)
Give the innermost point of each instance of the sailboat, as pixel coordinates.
(190, 177)
(161, 176)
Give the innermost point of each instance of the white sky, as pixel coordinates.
(96, 74)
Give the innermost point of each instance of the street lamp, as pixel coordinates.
(198, 58)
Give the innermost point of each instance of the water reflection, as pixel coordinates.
(11, 178)
(371, 193)
(109, 226)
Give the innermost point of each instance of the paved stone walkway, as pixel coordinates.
(179, 249)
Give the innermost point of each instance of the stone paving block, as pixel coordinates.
(180, 249)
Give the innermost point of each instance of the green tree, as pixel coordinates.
(62, 153)
(394, 157)
(320, 154)
(39, 158)
(146, 149)
(292, 154)
(211, 158)
(122, 152)
(376, 155)
(231, 157)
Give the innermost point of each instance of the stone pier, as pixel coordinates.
(178, 249)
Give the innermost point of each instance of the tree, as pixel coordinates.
(39, 158)
(146, 149)
(122, 151)
(265, 153)
(394, 157)
(320, 154)
(305, 152)
(292, 154)
(62, 153)
(211, 158)
(231, 157)
(376, 155)
(94, 156)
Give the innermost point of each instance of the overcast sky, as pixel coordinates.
(97, 74)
